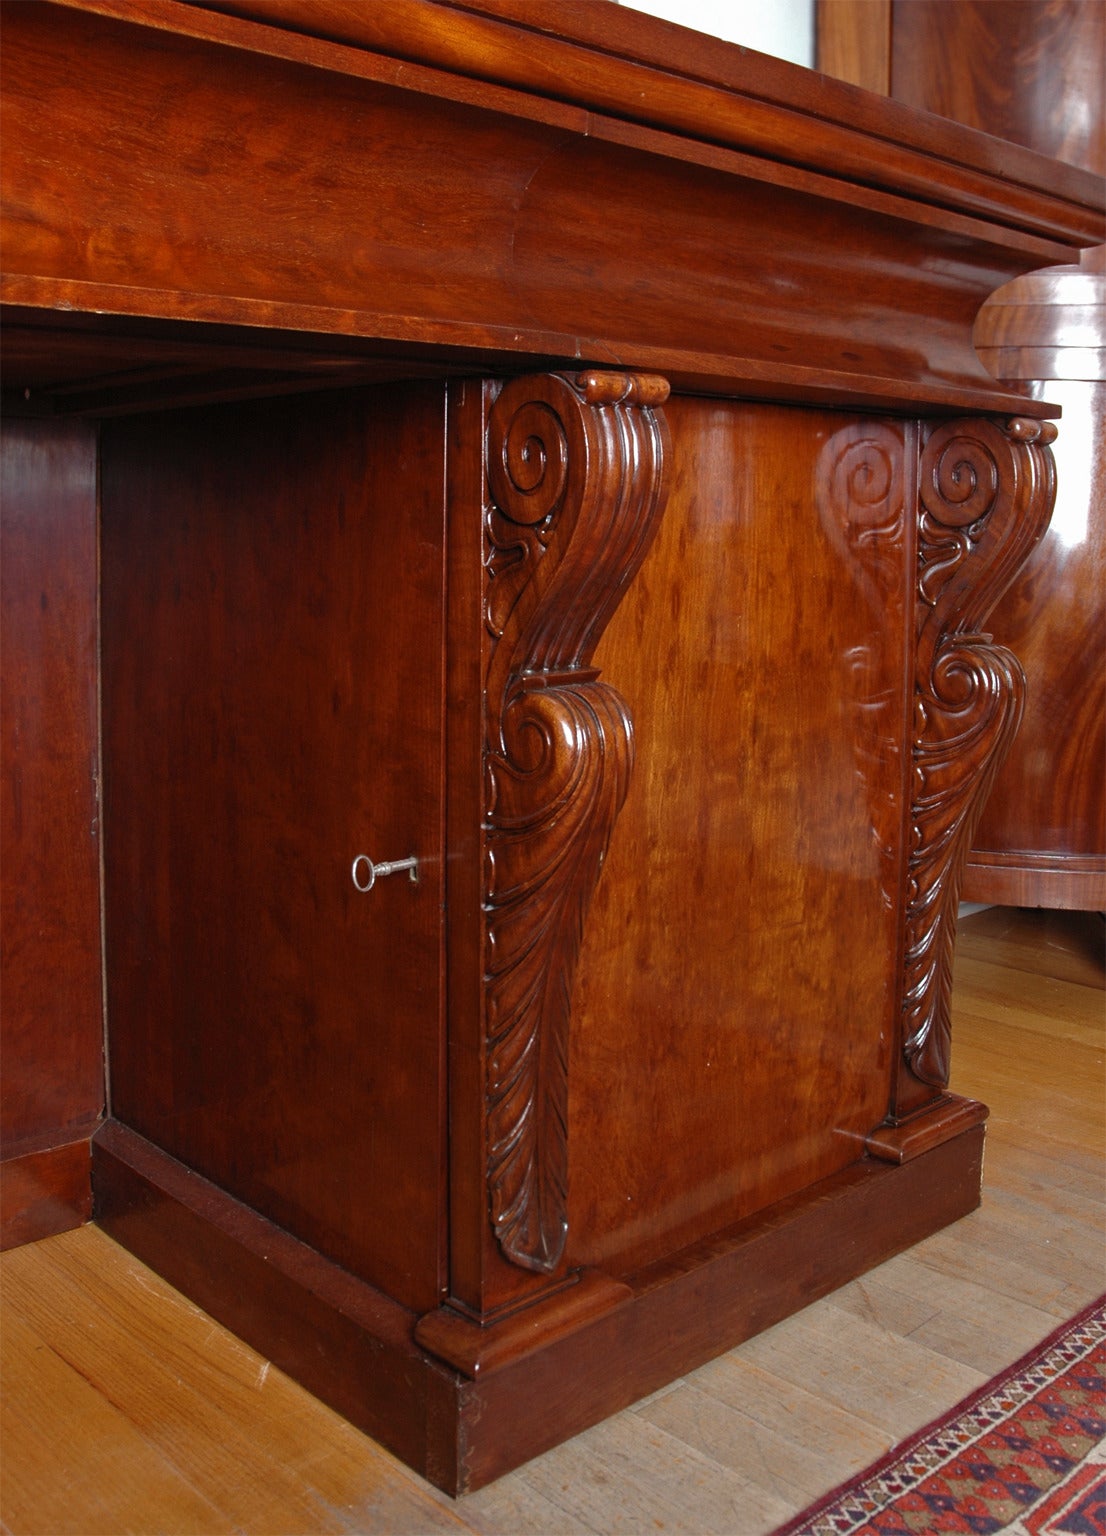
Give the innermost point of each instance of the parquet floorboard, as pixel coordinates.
(125, 1409)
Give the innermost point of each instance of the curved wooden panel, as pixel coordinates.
(1042, 838)
(1023, 70)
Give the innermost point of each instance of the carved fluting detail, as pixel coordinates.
(575, 476)
(986, 496)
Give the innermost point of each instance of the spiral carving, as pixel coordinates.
(865, 479)
(961, 480)
(575, 479)
(986, 494)
(529, 473)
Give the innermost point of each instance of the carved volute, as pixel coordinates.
(986, 494)
(575, 479)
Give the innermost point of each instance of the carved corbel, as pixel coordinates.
(575, 480)
(986, 495)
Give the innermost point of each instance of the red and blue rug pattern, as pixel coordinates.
(1026, 1454)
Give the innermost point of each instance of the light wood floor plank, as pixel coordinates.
(1046, 1007)
(205, 1401)
(785, 1411)
(779, 1464)
(514, 1505)
(627, 1476)
(1067, 945)
(73, 1463)
(967, 1323)
(845, 1360)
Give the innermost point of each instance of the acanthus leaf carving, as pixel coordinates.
(575, 479)
(986, 494)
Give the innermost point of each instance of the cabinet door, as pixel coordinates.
(272, 660)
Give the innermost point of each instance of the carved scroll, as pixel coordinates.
(986, 497)
(574, 471)
(862, 504)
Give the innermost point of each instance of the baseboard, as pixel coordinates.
(1076, 884)
(45, 1191)
(357, 1350)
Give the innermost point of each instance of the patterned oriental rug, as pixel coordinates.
(1026, 1454)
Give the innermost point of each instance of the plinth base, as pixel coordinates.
(521, 1387)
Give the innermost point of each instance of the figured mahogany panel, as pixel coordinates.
(735, 1012)
(853, 41)
(1022, 70)
(273, 708)
(52, 1018)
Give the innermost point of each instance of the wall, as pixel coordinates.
(784, 28)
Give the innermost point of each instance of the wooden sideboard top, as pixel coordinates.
(271, 194)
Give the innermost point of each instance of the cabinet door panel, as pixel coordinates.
(272, 671)
(739, 977)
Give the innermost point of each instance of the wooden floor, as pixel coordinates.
(127, 1410)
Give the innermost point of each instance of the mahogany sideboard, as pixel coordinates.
(1032, 74)
(541, 449)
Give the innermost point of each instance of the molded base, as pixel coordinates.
(357, 1350)
(45, 1190)
(1069, 881)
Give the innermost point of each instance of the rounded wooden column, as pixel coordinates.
(1042, 838)
(1028, 71)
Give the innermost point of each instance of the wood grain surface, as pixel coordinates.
(1030, 73)
(276, 179)
(53, 1007)
(272, 658)
(307, 1139)
(126, 1408)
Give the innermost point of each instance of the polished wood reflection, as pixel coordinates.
(476, 394)
(746, 819)
(261, 580)
(52, 1017)
(1030, 73)
(204, 1433)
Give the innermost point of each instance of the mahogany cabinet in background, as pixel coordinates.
(1041, 840)
(51, 1023)
(1029, 71)
(549, 505)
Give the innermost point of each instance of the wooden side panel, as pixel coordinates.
(735, 1013)
(1031, 71)
(1022, 70)
(52, 1022)
(45, 1192)
(273, 708)
(853, 41)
